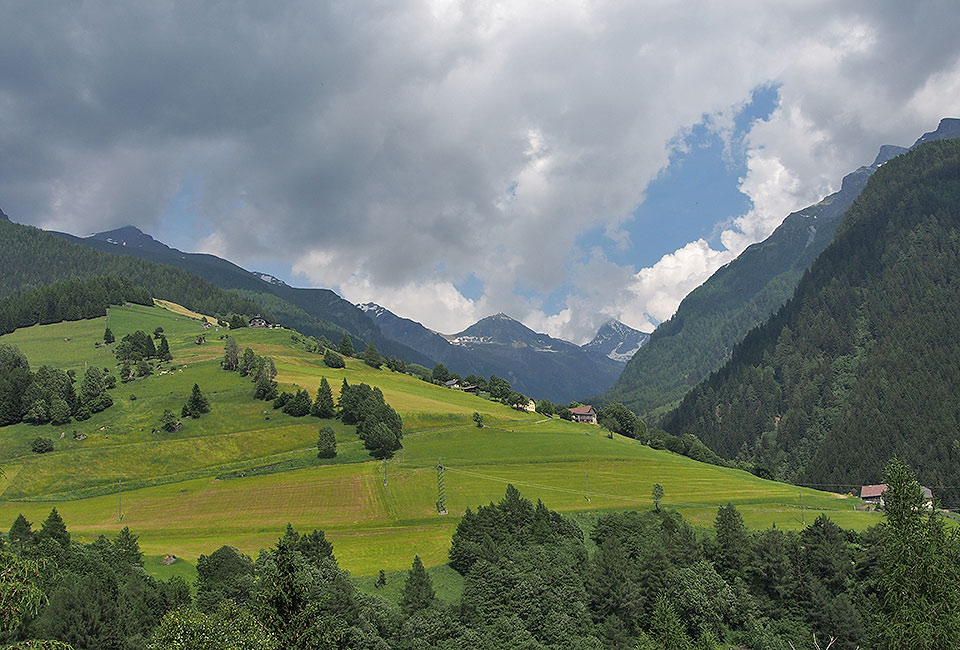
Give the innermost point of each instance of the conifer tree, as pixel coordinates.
(323, 406)
(326, 443)
(371, 356)
(418, 590)
(346, 346)
(126, 548)
(163, 350)
(21, 531)
(54, 528)
(197, 405)
(108, 336)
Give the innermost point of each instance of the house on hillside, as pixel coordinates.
(584, 414)
(531, 406)
(453, 383)
(873, 495)
(258, 321)
(473, 390)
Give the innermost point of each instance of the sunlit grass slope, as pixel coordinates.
(172, 496)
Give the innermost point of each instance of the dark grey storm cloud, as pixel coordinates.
(392, 149)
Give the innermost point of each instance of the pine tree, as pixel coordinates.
(371, 356)
(323, 406)
(126, 548)
(163, 350)
(418, 590)
(326, 443)
(54, 528)
(21, 531)
(346, 346)
(667, 628)
(108, 336)
(197, 405)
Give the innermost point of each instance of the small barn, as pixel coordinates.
(584, 414)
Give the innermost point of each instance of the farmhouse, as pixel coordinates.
(584, 414)
(453, 383)
(873, 495)
(531, 406)
(258, 321)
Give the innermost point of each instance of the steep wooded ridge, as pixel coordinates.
(715, 316)
(863, 362)
(35, 258)
(535, 364)
(315, 312)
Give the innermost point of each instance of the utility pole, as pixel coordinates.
(441, 491)
(803, 518)
(588, 486)
(384, 473)
(119, 500)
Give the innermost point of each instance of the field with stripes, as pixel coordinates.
(239, 474)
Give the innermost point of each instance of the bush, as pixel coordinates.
(41, 445)
(333, 360)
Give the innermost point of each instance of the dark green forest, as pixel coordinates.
(531, 580)
(34, 259)
(715, 316)
(68, 300)
(862, 363)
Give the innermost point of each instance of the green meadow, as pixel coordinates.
(239, 474)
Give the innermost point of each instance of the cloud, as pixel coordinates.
(394, 150)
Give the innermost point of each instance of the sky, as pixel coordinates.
(563, 162)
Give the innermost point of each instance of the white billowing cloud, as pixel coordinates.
(395, 149)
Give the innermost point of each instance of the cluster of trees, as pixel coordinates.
(378, 425)
(861, 363)
(261, 370)
(85, 596)
(48, 395)
(69, 300)
(652, 581)
(34, 258)
(138, 348)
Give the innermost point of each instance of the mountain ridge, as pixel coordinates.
(715, 316)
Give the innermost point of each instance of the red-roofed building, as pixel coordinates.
(873, 494)
(584, 414)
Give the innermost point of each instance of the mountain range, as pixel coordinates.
(741, 295)
(535, 364)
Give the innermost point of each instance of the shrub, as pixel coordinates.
(41, 445)
(333, 360)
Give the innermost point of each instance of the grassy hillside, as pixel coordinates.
(214, 482)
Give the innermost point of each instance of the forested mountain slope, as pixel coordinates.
(715, 316)
(34, 258)
(862, 364)
(316, 312)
